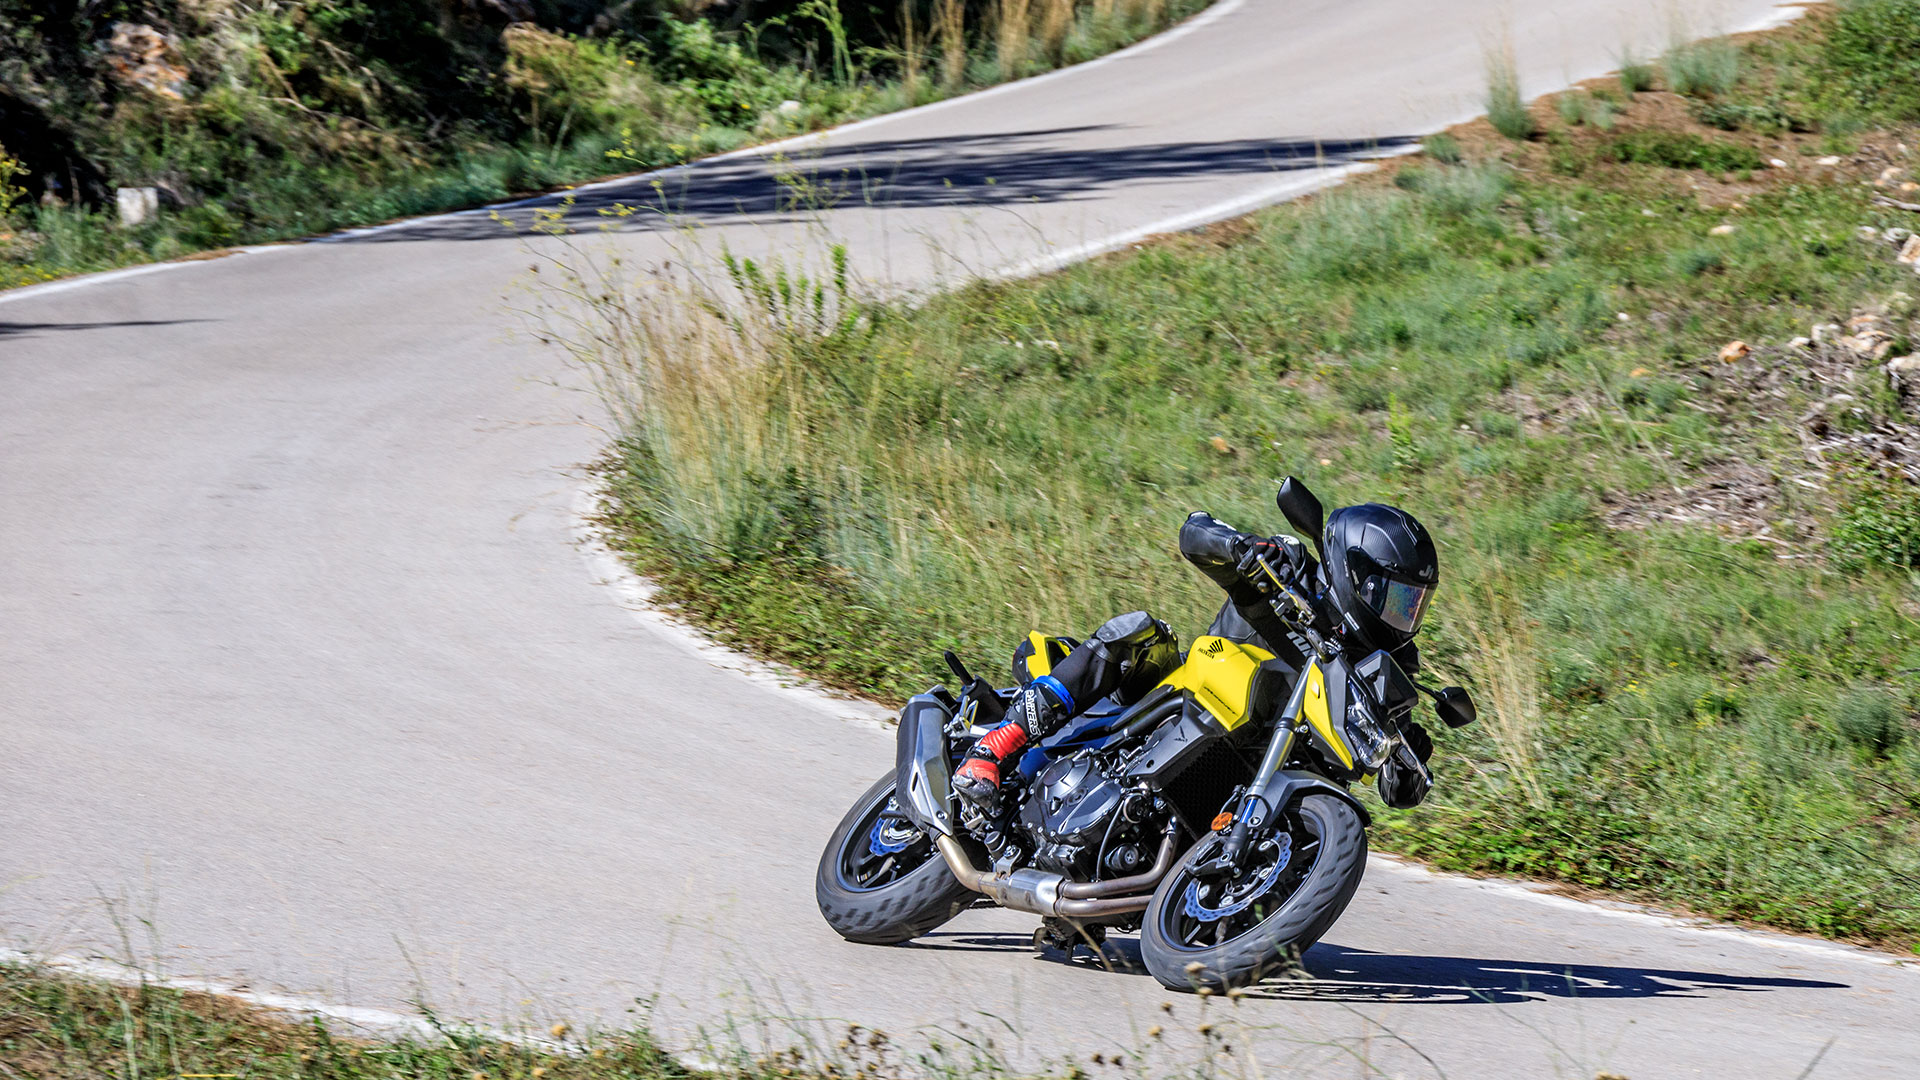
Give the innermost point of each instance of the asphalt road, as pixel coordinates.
(305, 683)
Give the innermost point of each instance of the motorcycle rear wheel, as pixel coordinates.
(876, 896)
(1186, 952)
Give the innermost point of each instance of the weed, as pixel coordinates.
(1707, 68)
(1506, 109)
(1636, 76)
(1442, 148)
(1878, 523)
(1683, 150)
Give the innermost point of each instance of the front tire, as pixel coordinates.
(1195, 935)
(881, 881)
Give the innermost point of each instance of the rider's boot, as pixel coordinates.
(978, 777)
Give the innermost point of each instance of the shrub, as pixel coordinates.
(1506, 110)
(1702, 68)
(1878, 524)
(1636, 76)
(1443, 148)
(1870, 719)
(1872, 58)
(1683, 150)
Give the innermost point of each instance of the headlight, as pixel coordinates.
(1368, 738)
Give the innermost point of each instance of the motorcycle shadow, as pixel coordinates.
(1120, 956)
(1338, 973)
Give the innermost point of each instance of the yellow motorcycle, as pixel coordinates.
(1213, 814)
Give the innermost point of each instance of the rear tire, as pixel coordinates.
(1168, 933)
(908, 902)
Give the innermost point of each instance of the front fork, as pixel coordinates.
(1250, 815)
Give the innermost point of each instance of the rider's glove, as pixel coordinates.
(1273, 551)
(1418, 740)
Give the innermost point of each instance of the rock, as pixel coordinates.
(1800, 343)
(1909, 186)
(1825, 333)
(1868, 232)
(1830, 159)
(1896, 235)
(1904, 367)
(1888, 175)
(137, 204)
(1909, 251)
(1721, 230)
(1623, 317)
(1734, 350)
(1869, 344)
(1777, 163)
(1865, 320)
(1644, 212)
(788, 108)
(144, 57)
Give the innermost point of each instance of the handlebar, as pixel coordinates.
(1296, 611)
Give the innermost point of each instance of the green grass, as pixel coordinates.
(1675, 712)
(55, 1027)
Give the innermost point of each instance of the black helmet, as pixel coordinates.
(1382, 570)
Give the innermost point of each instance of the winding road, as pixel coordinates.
(305, 683)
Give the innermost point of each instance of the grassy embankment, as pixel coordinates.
(264, 120)
(1683, 588)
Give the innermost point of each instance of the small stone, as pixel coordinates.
(1868, 232)
(1830, 159)
(1326, 461)
(1734, 350)
(1909, 186)
(1721, 230)
(788, 108)
(1826, 332)
(1904, 371)
(1864, 321)
(1888, 175)
(1623, 317)
(137, 204)
(1777, 163)
(1800, 343)
(1909, 251)
(1647, 213)
(1896, 235)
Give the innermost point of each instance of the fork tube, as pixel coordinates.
(1279, 748)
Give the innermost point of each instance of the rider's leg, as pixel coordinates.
(1130, 653)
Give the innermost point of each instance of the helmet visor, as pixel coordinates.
(1403, 606)
(1399, 604)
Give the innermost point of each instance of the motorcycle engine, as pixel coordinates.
(1067, 813)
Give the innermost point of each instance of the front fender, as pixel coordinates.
(923, 777)
(1290, 784)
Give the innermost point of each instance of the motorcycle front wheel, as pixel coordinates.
(881, 881)
(1230, 930)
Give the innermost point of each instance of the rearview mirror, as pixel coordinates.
(1302, 509)
(1455, 707)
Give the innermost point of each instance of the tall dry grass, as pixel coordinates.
(910, 51)
(1505, 663)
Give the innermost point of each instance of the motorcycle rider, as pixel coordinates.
(1381, 572)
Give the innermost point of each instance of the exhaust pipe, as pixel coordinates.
(1043, 893)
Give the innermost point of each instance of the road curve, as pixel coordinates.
(304, 683)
